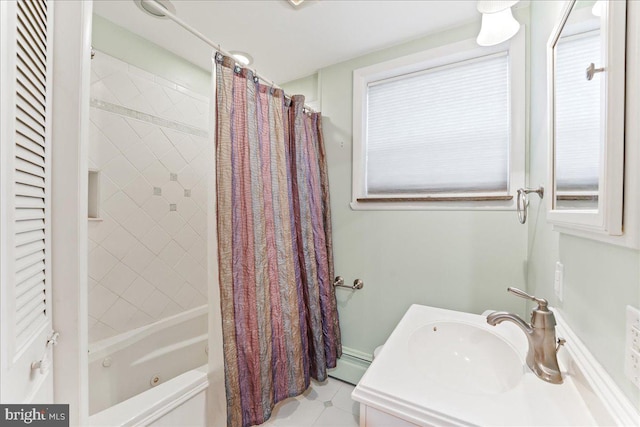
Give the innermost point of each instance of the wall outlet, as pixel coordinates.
(632, 346)
(558, 282)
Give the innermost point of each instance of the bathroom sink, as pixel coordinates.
(465, 357)
(449, 368)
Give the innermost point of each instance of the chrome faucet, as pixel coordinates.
(541, 334)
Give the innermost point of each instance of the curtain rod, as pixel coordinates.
(175, 18)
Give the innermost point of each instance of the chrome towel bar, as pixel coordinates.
(338, 282)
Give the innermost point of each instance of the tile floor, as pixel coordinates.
(326, 404)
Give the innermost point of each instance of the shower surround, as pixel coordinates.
(147, 249)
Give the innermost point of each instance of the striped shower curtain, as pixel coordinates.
(280, 322)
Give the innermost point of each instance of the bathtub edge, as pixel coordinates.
(102, 348)
(171, 406)
(147, 407)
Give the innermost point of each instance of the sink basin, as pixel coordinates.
(449, 368)
(465, 357)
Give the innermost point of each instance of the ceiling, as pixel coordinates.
(286, 42)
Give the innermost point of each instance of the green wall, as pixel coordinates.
(460, 260)
(308, 86)
(120, 43)
(600, 280)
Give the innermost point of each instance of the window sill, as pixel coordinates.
(433, 199)
(435, 203)
(593, 197)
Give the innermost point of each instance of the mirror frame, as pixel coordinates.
(607, 219)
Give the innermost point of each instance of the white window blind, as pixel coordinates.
(442, 130)
(577, 112)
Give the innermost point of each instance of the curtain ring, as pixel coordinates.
(237, 69)
(219, 57)
(256, 79)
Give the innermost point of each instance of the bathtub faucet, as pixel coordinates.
(541, 334)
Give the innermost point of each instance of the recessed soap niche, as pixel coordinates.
(94, 195)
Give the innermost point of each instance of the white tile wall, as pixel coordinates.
(146, 261)
(117, 82)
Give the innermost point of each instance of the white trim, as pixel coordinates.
(71, 79)
(439, 57)
(8, 47)
(351, 366)
(607, 403)
(631, 218)
(428, 66)
(607, 219)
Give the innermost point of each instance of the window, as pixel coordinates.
(441, 129)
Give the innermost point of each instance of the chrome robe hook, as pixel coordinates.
(522, 201)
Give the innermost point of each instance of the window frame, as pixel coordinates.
(438, 57)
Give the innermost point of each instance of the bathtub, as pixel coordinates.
(138, 377)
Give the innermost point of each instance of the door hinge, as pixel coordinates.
(53, 339)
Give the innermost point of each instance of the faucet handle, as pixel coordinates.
(542, 303)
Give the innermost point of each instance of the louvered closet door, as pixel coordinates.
(25, 167)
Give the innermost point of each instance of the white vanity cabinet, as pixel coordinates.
(372, 417)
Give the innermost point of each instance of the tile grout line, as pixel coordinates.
(333, 396)
(304, 402)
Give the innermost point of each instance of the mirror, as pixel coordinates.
(586, 103)
(578, 124)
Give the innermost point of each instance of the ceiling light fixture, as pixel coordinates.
(165, 4)
(243, 58)
(296, 3)
(498, 23)
(598, 8)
